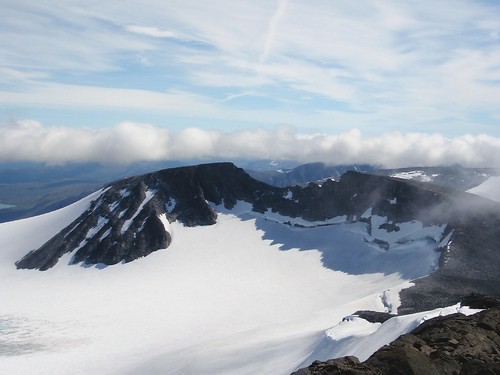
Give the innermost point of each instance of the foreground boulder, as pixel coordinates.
(454, 344)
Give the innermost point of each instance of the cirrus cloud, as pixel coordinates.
(375, 66)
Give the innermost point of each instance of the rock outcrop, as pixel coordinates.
(125, 222)
(454, 344)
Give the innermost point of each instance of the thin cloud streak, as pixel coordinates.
(128, 142)
(273, 25)
(151, 31)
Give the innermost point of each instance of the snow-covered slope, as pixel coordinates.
(358, 337)
(245, 278)
(419, 175)
(489, 189)
(223, 299)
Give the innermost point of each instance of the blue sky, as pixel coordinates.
(368, 70)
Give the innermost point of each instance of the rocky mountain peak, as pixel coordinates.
(131, 218)
(128, 220)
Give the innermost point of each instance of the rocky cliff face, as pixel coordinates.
(131, 217)
(455, 344)
(128, 220)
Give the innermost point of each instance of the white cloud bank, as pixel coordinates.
(127, 142)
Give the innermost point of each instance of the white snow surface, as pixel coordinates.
(489, 189)
(356, 336)
(149, 194)
(288, 195)
(170, 205)
(418, 175)
(247, 295)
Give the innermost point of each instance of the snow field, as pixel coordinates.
(244, 296)
(418, 175)
(489, 189)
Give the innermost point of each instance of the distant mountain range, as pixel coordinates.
(32, 189)
(455, 177)
(305, 173)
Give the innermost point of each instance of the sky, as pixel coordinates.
(389, 82)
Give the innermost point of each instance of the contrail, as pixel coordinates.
(271, 31)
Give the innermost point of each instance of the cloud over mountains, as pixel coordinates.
(128, 142)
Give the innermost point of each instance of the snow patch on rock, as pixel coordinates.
(149, 194)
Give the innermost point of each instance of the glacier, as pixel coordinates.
(252, 293)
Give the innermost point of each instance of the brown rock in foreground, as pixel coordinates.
(454, 344)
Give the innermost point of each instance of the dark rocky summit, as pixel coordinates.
(130, 220)
(374, 316)
(480, 301)
(454, 344)
(124, 223)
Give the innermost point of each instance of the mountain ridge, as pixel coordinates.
(130, 209)
(34, 189)
(129, 220)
